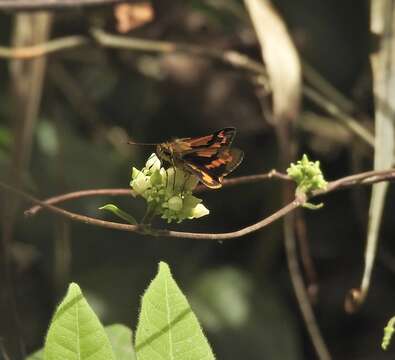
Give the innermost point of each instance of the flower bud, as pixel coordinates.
(175, 203)
(140, 184)
(153, 163)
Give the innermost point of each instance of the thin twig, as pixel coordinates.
(30, 52)
(313, 77)
(347, 120)
(24, 5)
(301, 293)
(77, 195)
(367, 178)
(122, 192)
(230, 57)
(249, 179)
(160, 232)
(305, 256)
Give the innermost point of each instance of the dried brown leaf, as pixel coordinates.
(383, 68)
(132, 16)
(280, 56)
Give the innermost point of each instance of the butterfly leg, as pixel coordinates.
(175, 173)
(174, 178)
(186, 178)
(167, 177)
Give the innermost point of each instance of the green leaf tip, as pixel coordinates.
(164, 268)
(388, 332)
(74, 289)
(307, 175)
(167, 327)
(120, 213)
(311, 206)
(75, 332)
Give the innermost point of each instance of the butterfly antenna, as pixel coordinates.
(143, 144)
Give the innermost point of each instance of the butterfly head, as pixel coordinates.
(165, 151)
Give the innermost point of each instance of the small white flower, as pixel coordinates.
(136, 173)
(177, 180)
(169, 191)
(140, 184)
(153, 163)
(198, 211)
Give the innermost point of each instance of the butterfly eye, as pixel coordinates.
(164, 152)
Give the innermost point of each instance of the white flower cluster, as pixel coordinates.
(168, 192)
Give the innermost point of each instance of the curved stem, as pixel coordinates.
(161, 232)
(273, 174)
(366, 178)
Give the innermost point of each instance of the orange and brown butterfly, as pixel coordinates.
(209, 157)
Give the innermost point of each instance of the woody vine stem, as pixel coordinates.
(365, 178)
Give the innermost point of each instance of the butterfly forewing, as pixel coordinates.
(221, 138)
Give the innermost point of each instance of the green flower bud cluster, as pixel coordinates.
(307, 175)
(168, 192)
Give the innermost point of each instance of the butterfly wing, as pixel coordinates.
(211, 170)
(206, 145)
(208, 157)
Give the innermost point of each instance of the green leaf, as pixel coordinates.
(167, 328)
(75, 332)
(120, 337)
(120, 213)
(311, 206)
(38, 355)
(121, 340)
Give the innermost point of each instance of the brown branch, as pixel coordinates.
(122, 192)
(76, 195)
(29, 52)
(24, 5)
(305, 256)
(301, 292)
(347, 120)
(249, 179)
(366, 178)
(230, 57)
(160, 232)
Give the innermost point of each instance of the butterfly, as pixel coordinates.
(209, 157)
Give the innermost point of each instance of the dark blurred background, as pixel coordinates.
(94, 99)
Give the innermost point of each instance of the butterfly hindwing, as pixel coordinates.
(211, 170)
(208, 180)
